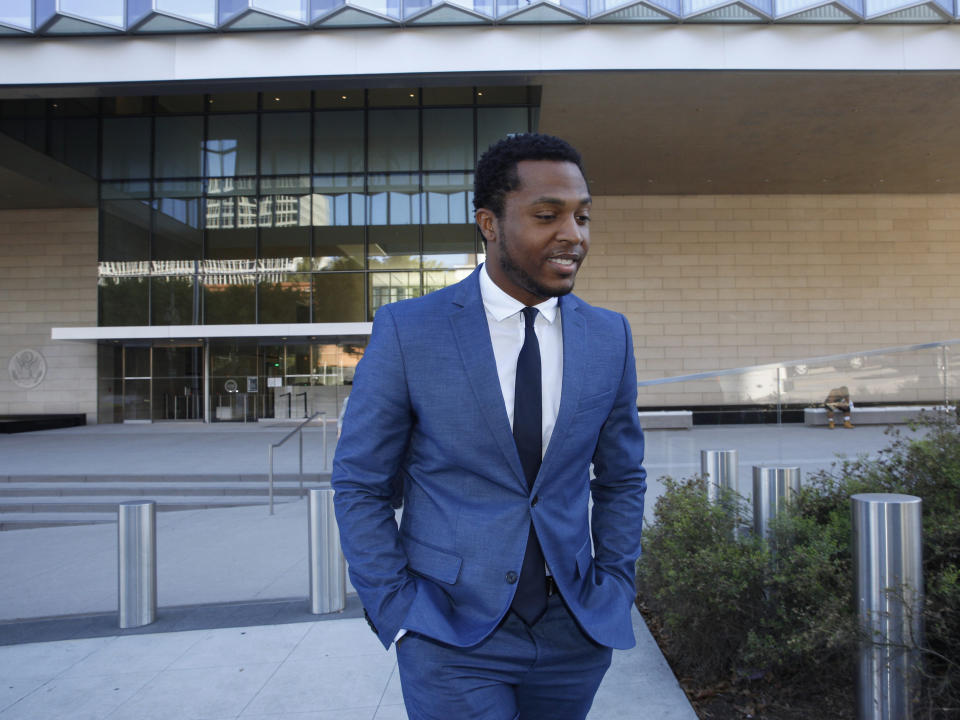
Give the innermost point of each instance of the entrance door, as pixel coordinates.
(177, 382)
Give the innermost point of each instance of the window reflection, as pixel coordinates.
(284, 298)
(388, 287)
(231, 145)
(229, 292)
(18, 13)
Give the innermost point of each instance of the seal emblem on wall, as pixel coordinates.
(27, 368)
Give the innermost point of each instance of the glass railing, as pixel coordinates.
(927, 374)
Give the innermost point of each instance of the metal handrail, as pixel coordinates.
(298, 430)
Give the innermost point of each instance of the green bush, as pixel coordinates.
(729, 604)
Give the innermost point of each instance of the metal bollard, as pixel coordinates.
(328, 584)
(888, 587)
(137, 562)
(720, 469)
(773, 487)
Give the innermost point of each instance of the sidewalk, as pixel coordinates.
(243, 568)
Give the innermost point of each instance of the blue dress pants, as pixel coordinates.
(549, 671)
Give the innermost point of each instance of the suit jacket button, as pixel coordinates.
(512, 577)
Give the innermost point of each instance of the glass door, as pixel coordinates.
(177, 382)
(136, 383)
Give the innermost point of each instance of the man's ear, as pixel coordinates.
(487, 222)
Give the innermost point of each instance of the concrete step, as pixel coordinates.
(134, 478)
(33, 521)
(108, 504)
(87, 489)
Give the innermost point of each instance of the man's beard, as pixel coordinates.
(521, 277)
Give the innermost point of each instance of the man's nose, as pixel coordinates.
(570, 230)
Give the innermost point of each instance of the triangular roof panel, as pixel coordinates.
(831, 12)
(350, 16)
(66, 25)
(12, 30)
(542, 12)
(160, 23)
(256, 20)
(446, 14)
(636, 12)
(928, 12)
(734, 12)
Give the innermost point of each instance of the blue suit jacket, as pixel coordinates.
(426, 409)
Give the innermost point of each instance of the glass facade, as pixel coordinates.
(297, 212)
(273, 208)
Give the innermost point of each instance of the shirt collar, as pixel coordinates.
(501, 306)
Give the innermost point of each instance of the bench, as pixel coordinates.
(666, 419)
(878, 415)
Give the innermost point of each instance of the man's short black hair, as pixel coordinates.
(497, 170)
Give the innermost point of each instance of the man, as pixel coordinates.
(488, 401)
(838, 401)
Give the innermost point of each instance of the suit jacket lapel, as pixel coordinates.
(469, 322)
(574, 358)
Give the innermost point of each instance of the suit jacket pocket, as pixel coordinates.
(595, 401)
(431, 562)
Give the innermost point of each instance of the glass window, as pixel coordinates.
(125, 190)
(109, 382)
(338, 248)
(496, 123)
(447, 95)
(171, 300)
(323, 99)
(338, 297)
(393, 97)
(126, 105)
(232, 244)
(229, 298)
(284, 297)
(179, 103)
(449, 246)
(179, 147)
(73, 141)
(448, 139)
(388, 287)
(287, 100)
(394, 246)
(123, 301)
(448, 207)
(109, 12)
(177, 234)
(178, 188)
(232, 102)
(285, 144)
(126, 148)
(203, 11)
(393, 140)
(231, 146)
(125, 230)
(437, 279)
(17, 12)
(338, 142)
(293, 9)
(516, 95)
(339, 209)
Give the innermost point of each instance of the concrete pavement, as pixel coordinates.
(233, 638)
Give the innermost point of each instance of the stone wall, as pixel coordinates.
(48, 278)
(718, 282)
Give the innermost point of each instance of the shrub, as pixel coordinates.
(730, 604)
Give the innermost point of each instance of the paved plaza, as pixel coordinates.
(234, 638)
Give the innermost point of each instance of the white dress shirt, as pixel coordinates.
(506, 323)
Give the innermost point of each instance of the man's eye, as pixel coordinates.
(545, 216)
(583, 219)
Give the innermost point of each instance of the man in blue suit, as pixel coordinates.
(487, 402)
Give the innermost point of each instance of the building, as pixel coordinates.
(202, 205)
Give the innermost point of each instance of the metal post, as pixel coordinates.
(323, 416)
(270, 479)
(773, 487)
(300, 439)
(779, 392)
(888, 577)
(137, 563)
(719, 467)
(328, 585)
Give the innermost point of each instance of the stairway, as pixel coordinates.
(41, 501)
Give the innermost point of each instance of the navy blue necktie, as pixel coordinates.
(530, 600)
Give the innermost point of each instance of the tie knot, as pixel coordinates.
(530, 316)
